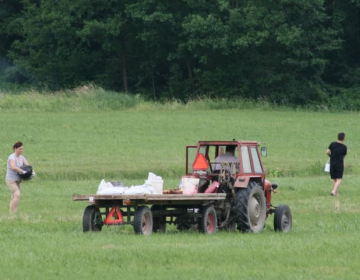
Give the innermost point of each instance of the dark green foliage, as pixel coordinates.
(288, 51)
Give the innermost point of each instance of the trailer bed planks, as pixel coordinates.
(152, 198)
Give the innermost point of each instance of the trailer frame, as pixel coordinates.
(149, 213)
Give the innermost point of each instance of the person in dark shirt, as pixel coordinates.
(337, 152)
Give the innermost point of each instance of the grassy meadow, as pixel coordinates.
(75, 139)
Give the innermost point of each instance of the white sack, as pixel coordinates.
(147, 188)
(104, 185)
(153, 178)
(117, 190)
(141, 189)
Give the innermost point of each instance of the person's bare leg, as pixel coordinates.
(15, 198)
(336, 186)
(334, 182)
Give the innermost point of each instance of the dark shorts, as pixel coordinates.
(336, 171)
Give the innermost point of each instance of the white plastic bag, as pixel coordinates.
(117, 190)
(327, 166)
(104, 185)
(141, 189)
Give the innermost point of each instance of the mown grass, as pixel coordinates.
(73, 150)
(77, 145)
(45, 241)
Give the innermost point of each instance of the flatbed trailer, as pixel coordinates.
(149, 213)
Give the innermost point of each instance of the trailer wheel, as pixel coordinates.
(159, 223)
(92, 220)
(250, 207)
(208, 220)
(143, 220)
(282, 218)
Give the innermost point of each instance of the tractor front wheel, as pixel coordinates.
(143, 220)
(250, 207)
(208, 220)
(282, 218)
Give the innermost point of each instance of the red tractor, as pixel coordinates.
(234, 168)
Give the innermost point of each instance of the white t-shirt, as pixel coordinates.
(11, 174)
(228, 158)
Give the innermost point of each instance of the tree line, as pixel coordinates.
(292, 51)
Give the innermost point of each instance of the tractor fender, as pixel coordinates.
(267, 185)
(242, 182)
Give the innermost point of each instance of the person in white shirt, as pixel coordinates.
(228, 158)
(13, 180)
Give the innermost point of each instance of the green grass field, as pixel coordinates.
(72, 150)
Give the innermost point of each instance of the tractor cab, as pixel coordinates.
(230, 162)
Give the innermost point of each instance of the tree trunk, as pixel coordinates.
(153, 84)
(124, 70)
(190, 76)
(235, 4)
(269, 73)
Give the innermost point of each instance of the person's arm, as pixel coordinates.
(328, 152)
(14, 167)
(216, 164)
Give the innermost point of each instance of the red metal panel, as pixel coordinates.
(187, 158)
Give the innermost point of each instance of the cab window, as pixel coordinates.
(246, 159)
(191, 153)
(205, 151)
(256, 160)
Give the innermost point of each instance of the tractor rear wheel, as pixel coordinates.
(92, 220)
(143, 220)
(208, 220)
(250, 207)
(282, 218)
